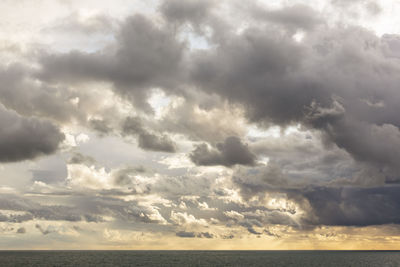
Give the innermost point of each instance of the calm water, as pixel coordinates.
(199, 258)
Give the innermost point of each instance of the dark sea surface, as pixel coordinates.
(200, 258)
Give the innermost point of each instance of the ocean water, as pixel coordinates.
(200, 258)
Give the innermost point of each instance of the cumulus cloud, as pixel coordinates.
(39, 100)
(146, 139)
(146, 56)
(278, 80)
(26, 138)
(231, 152)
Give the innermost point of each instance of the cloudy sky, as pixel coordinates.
(199, 124)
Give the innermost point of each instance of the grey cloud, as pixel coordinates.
(126, 177)
(122, 211)
(302, 158)
(194, 117)
(89, 208)
(271, 233)
(252, 231)
(100, 126)
(205, 235)
(26, 138)
(292, 17)
(354, 206)
(278, 80)
(78, 158)
(231, 152)
(273, 77)
(44, 231)
(132, 125)
(261, 179)
(16, 218)
(34, 210)
(332, 204)
(146, 139)
(156, 143)
(146, 56)
(189, 11)
(183, 185)
(249, 68)
(21, 92)
(339, 82)
(186, 234)
(21, 230)
(361, 139)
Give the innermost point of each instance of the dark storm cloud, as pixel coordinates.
(147, 140)
(232, 151)
(255, 69)
(20, 91)
(354, 206)
(278, 81)
(146, 56)
(299, 159)
(26, 138)
(375, 144)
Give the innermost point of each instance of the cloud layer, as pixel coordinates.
(199, 120)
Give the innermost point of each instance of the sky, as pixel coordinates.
(199, 124)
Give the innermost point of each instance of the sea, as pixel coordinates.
(200, 258)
